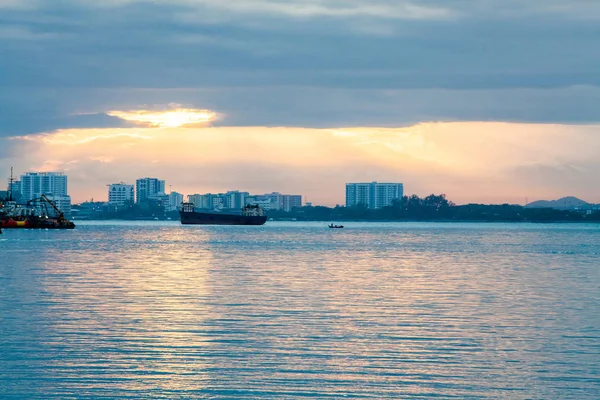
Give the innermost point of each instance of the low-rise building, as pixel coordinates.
(283, 202)
(120, 194)
(63, 203)
(260, 201)
(235, 200)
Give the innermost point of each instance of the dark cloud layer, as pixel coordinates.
(20, 124)
(320, 63)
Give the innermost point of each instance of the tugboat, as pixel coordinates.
(250, 215)
(35, 215)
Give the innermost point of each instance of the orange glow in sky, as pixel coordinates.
(469, 161)
(167, 119)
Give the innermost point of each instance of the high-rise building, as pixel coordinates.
(358, 193)
(196, 199)
(51, 184)
(175, 200)
(291, 201)
(147, 188)
(120, 194)
(34, 184)
(373, 195)
(274, 198)
(283, 202)
(235, 199)
(206, 201)
(13, 191)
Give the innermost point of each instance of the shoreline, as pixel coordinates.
(362, 220)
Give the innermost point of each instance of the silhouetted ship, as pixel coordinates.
(250, 215)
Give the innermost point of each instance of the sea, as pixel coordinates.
(295, 310)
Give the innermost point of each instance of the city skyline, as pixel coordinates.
(276, 94)
(121, 198)
(264, 199)
(146, 193)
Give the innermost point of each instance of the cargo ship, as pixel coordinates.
(250, 215)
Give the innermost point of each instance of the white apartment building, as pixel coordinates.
(206, 201)
(196, 199)
(235, 199)
(33, 184)
(358, 193)
(120, 194)
(374, 194)
(276, 202)
(175, 200)
(147, 188)
(291, 201)
(283, 202)
(260, 201)
(52, 184)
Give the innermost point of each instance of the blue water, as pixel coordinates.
(296, 310)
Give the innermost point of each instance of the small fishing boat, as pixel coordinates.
(332, 226)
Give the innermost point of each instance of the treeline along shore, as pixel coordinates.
(437, 208)
(408, 208)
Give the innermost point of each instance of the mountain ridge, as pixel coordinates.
(564, 203)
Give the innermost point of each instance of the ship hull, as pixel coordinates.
(199, 218)
(34, 224)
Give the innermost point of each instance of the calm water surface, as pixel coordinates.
(295, 310)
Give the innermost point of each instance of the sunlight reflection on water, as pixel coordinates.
(296, 310)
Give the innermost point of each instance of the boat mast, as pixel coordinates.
(10, 185)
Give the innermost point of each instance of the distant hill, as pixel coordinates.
(565, 203)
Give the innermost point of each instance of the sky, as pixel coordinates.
(486, 101)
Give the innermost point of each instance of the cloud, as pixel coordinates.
(297, 106)
(486, 162)
(544, 179)
(329, 9)
(19, 4)
(16, 32)
(230, 44)
(79, 137)
(172, 118)
(102, 159)
(67, 65)
(27, 120)
(385, 9)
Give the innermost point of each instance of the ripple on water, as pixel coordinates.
(292, 310)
